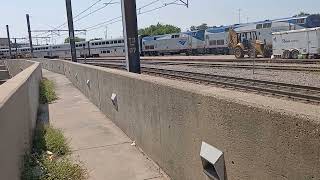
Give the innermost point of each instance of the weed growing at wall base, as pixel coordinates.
(47, 92)
(50, 158)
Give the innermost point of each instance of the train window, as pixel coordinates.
(175, 36)
(111, 42)
(267, 25)
(92, 44)
(108, 52)
(212, 42)
(123, 50)
(107, 42)
(122, 41)
(103, 43)
(301, 21)
(77, 45)
(220, 42)
(115, 50)
(47, 47)
(259, 26)
(119, 41)
(84, 45)
(152, 47)
(100, 43)
(114, 42)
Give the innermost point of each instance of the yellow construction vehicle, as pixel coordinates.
(247, 43)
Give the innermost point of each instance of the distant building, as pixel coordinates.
(4, 43)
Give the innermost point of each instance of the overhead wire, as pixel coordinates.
(79, 14)
(119, 18)
(111, 21)
(105, 5)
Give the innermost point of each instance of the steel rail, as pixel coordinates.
(217, 65)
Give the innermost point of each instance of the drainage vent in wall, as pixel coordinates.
(212, 162)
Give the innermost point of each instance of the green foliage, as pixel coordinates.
(50, 139)
(47, 92)
(62, 168)
(95, 39)
(32, 168)
(56, 142)
(76, 39)
(159, 29)
(43, 166)
(301, 14)
(203, 26)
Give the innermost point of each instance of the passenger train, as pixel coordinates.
(214, 40)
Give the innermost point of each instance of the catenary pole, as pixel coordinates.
(30, 37)
(9, 41)
(71, 31)
(130, 33)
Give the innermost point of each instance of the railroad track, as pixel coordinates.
(224, 65)
(297, 92)
(259, 66)
(245, 60)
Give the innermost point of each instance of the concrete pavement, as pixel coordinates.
(103, 148)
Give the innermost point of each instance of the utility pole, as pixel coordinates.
(16, 46)
(130, 34)
(106, 35)
(29, 33)
(71, 31)
(9, 41)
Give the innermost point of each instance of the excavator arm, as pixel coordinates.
(233, 38)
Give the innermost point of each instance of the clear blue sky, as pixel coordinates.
(46, 13)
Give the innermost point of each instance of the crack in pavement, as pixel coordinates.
(97, 147)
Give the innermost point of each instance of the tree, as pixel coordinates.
(301, 14)
(76, 39)
(203, 26)
(95, 39)
(159, 29)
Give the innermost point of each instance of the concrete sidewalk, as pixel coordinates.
(96, 141)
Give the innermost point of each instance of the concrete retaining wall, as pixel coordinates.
(16, 66)
(19, 98)
(263, 138)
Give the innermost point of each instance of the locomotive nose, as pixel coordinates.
(313, 21)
